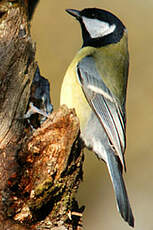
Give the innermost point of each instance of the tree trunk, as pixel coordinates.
(40, 170)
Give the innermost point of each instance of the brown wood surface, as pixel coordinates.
(40, 170)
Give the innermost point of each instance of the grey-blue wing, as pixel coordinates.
(104, 104)
(110, 116)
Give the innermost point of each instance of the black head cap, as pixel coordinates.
(99, 27)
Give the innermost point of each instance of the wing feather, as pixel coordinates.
(104, 104)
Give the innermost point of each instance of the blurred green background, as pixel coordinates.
(58, 37)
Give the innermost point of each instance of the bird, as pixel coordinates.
(95, 84)
(39, 106)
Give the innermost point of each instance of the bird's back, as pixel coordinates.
(110, 64)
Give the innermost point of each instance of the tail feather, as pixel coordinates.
(120, 189)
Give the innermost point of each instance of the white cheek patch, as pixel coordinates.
(97, 28)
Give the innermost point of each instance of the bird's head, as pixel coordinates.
(99, 27)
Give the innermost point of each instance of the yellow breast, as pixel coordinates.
(110, 62)
(71, 91)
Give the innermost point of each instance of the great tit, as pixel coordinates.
(39, 105)
(95, 85)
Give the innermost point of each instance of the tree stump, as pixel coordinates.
(40, 170)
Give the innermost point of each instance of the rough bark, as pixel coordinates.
(40, 170)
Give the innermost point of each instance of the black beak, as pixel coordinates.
(74, 13)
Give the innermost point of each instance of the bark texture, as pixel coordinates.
(40, 170)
